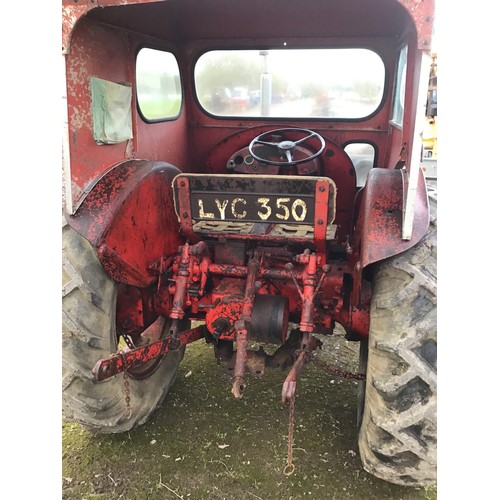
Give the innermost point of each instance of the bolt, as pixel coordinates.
(185, 215)
(182, 184)
(322, 189)
(320, 222)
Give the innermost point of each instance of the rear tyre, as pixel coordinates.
(397, 437)
(88, 308)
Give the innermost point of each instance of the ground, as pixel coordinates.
(202, 443)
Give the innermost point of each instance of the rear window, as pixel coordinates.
(158, 85)
(284, 83)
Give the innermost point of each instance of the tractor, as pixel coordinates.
(249, 172)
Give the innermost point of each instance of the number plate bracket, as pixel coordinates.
(249, 199)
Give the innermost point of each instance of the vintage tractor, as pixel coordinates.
(192, 217)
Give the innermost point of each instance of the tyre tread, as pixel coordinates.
(88, 334)
(397, 438)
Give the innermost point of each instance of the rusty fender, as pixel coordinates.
(378, 230)
(129, 217)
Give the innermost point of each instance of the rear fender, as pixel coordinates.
(378, 230)
(129, 217)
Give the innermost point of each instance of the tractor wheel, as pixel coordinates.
(397, 436)
(88, 307)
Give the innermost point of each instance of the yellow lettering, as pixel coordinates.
(203, 214)
(264, 204)
(222, 207)
(286, 211)
(302, 204)
(233, 208)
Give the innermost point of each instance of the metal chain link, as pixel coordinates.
(338, 371)
(290, 467)
(126, 387)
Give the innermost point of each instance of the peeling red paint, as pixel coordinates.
(125, 207)
(378, 230)
(129, 217)
(130, 359)
(422, 13)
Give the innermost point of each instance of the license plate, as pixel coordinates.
(274, 199)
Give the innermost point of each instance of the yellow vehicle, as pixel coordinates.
(429, 136)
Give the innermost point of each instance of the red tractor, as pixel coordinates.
(188, 218)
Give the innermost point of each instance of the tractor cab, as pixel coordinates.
(239, 171)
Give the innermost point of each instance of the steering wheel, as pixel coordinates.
(286, 148)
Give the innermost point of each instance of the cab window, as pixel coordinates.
(159, 94)
(285, 83)
(362, 155)
(399, 95)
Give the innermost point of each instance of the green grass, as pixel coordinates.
(204, 444)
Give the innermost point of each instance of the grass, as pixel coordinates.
(204, 444)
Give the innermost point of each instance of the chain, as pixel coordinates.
(290, 468)
(126, 388)
(338, 371)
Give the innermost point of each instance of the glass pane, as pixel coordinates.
(158, 84)
(399, 96)
(301, 83)
(363, 158)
